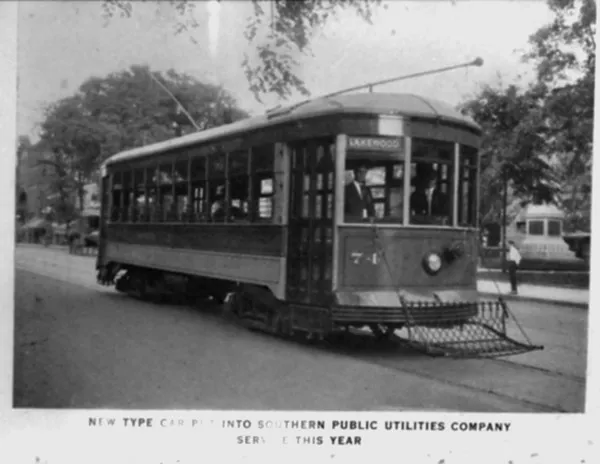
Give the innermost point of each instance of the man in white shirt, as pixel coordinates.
(514, 259)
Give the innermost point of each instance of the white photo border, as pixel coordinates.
(64, 437)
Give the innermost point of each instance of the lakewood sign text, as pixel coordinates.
(375, 143)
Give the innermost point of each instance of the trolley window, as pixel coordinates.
(374, 186)
(151, 189)
(217, 169)
(432, 170)
(127, 205)
(165, 180)
(198, 183)
(238, 187)
(139, 197)
(117, 194)
(263, 179)
(180, 178)
(467, 187)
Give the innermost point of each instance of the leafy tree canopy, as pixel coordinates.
(23, 144)
(121, 111)
(513, 147)
(564, 53)
(278, 32)
(541, 137)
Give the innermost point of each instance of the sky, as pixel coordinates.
(61, 44)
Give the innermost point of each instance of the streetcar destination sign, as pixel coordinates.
(375, 143)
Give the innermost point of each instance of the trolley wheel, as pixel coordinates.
(382, 332)
(239, 305)
(138, 285)
(275, 323)
(218, 298)
(230, 304)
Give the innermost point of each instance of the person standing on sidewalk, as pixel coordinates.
(514, 259)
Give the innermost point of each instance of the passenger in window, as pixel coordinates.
(358, 200)
(238, 203)
(236, 212)
(396, 199)
(217, 209)
(427, 200)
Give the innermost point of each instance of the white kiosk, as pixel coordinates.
(538, 232)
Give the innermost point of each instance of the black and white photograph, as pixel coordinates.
(358, 206)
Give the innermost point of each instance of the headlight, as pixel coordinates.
(432, 263)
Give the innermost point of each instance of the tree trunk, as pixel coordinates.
(80, 191)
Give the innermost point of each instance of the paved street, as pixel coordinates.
(81, 345)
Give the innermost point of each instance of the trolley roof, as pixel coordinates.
(408, 105)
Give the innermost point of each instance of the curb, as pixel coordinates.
(533, 299)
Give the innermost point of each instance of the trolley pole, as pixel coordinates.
(370, 85)
(476, 62)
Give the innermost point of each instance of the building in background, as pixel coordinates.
(91, 200)
(538, 232)
(33, 184)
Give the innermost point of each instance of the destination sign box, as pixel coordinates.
(375, 143)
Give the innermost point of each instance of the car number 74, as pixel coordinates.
(357, 257)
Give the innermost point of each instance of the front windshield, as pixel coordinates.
(432, 164)
(376, 188)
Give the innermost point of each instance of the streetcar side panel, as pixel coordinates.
(189, 239)
(227, 252)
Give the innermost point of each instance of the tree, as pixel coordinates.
(564, 53)
(23, 148)
(71, 144)
(278, 31)
(513, 153)
(120, 111)
(540, 138)
(567, 44)
(132, 109)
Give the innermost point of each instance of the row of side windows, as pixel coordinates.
(223, 187)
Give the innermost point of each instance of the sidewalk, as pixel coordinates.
(62, 248)
(540, 293)
(492, 270)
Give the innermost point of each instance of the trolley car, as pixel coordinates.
(350, 211)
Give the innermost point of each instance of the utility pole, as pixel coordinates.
(504, 208)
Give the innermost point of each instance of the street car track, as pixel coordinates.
(496, 362)
(575, 378)
(394, 357)
(390, 357)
